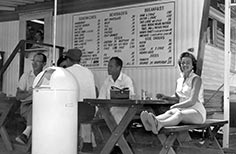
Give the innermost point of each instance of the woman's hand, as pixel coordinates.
(160, 96)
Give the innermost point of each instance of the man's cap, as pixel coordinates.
(74, 54)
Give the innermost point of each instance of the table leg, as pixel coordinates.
(211, 140)
(117, 130)
(5, 109)
(5, 138)
(167, 143)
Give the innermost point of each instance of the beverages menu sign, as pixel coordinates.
(141, 35)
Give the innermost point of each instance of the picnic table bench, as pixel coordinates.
(176, 139)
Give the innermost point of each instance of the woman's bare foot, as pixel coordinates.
(144, 118)
(154, 122)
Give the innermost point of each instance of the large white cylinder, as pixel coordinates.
(54, 122)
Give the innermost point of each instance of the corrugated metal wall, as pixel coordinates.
(153, 79)
(213, 68)
(9, 37)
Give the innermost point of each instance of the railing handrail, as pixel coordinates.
(44, 44)
(19, 46)
(11, 57)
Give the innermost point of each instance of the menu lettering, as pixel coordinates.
(141, 35)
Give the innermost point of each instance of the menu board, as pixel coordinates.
(141, 35)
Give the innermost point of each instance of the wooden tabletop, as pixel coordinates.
(126, 102)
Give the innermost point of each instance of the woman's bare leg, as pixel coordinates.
(190, 116)
(167, 114)
(148, 122)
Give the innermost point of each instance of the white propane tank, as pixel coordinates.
(55, 117)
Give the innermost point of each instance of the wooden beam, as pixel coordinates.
(23, 1)
(7, 8)
(3, 4)
(11, 3)
(202, 36)
(38, 0)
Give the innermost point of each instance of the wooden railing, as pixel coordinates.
(20, 48)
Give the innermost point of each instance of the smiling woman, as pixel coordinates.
(189, 108)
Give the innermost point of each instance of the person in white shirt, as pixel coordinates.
(24, 94)
(120, 80)
(189, 108)
(117, 79)
(86, 83)
(82, 74)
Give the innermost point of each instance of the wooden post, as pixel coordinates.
(202, 36)
(226, 72)
(54, 33)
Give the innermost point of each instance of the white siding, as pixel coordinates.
(213, 68)
(9, 32)
(153, 79)
(64, 31)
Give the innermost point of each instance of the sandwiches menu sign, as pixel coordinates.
(141, 35)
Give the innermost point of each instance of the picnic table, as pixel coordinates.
(173, 139)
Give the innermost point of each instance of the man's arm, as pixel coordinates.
(22, 91)
(23, 94)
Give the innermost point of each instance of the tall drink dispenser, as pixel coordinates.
(54, 125)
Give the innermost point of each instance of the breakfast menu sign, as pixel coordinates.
(141, 35)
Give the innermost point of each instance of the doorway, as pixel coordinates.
(34, 32)
(37, 27)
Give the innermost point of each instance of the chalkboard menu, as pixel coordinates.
(141, 35)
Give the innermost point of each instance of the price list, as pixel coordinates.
(141, 35)
(87, 38)
(156, 35)
(118, 40)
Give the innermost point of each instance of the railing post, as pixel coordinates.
(1, 65)
(202, 36)
(22, 60)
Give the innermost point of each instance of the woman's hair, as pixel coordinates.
(194, 61)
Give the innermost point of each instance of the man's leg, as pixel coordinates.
(23, 138)
(28, 128)
(86, 134)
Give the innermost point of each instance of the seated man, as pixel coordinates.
(117, 79)
(86, 83)
(24, 94)
(120, 80)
